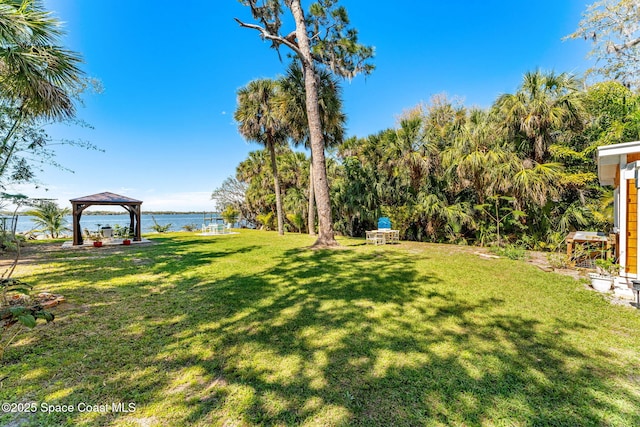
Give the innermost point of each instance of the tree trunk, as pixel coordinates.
(498, 223)
(321, 185)
(539, 149)
(311, 222)
(276, 187)
(7, 153)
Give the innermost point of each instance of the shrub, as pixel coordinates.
(268, 220)
(159, 228)
(190, 227)
(558, 260)
(17, 308)
(297, 221)
(230, 214)
(510, 251)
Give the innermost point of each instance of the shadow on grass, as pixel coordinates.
(356, 336)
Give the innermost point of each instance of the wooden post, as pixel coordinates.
(132, 223)
(570, 249)
(77, 209)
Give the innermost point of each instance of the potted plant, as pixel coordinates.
(97, 239)
(95, 236)
(122, 233)
(126, 237)
(602, 281)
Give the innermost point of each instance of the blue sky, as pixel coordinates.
(170, 73)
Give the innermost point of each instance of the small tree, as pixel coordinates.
(499, 212)
(232, 193)
(16, 307)
(50, 218)
(259, 120)
(230, 214)
(613, 28)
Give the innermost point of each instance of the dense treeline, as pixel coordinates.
(522, 171)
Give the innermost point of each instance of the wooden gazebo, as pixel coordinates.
(134, 207)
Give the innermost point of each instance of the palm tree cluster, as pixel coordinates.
(520, 171)
(273, 113)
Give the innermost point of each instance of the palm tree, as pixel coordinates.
(259, 120)
(477, 157)
(544, 105)
(293, 106)
(355, 196)
(253, 172)
(50, 218)
(535, 184)
(407, 151)
(293, 168)
(37, 77)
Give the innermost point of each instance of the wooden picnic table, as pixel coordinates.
(594, 240)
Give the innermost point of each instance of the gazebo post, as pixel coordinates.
(134, 221)
(77, 209)
(138, 236)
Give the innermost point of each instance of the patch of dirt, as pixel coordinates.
(44, 299)
(46, 252)
(142, 261)
(539, 259)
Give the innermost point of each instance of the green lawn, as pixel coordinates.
(255, 329)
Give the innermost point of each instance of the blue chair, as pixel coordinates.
(384, 223)
(384, 229)
(384, 234)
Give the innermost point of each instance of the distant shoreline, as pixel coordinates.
(125, 213)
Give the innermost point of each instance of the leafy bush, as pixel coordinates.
(10, 241)
(121, 232)
(510, 251)
(190, 227)
(558, 260)
(297, 221)
(267, 220)
(17, 308)
(230, 214)
(607, 266)
(159, 228)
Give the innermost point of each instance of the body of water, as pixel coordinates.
(93, 222)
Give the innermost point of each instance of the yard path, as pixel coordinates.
(44, 252)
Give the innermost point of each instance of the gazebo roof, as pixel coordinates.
(106, 198)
